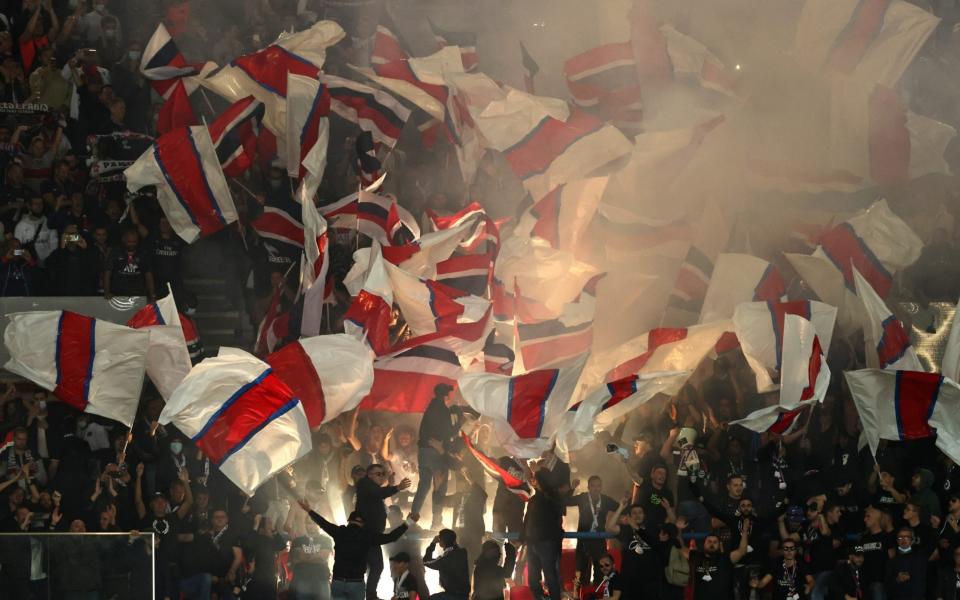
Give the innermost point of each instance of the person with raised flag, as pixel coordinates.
(242, 416)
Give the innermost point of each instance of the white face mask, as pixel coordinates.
(134, 55)
(176, 447)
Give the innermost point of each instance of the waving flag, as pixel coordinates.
(470, 273)
(242, 416)
(460, 217)
(281, 220)
(307, 125)
(92, 365)
(525, 410)
(422, 256)
(950, 365)
(944, 419)
(191, 188)
(431, 307)
(387, 46)
(869, 40)
(895, 405)
(695, 272)
(497, 357)
(563, 216)
(760, 330)
(466, 41)
(330, 374)
(422, 81)
(314, 269)
(887, 344)
(371, 312)
(168, 359)
(605, 78)
(739, 278)
(377, 217)
(373, 110)
(530, 69)
(404, 381)
(368, 165)
(511, 482)
(234, 134)
(165, 67)
(273, 327)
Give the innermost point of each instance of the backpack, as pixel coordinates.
(677, 570)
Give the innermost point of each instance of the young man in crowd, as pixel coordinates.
(451, 565)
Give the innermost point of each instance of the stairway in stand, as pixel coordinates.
(210, 272)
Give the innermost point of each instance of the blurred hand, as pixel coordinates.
(304, 504)
(404, 483)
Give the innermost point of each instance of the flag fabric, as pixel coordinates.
(526, 410)
(371, 109)
(271, 329)
(774, 419)
(371, 312)
(690, 59)
(281, 220)
(693, 277)
(168, 358)
(466, 41)
(263, 73)
(191, 188)
(307, 109)
(739, 278)
(422, 256)
(563, 216)
(368, 165)
(804, 374)
(370, 214)
(760, 329)
(497, 357)
(92, 365)
(950, 365)
(887, 345)
(314, 269)
(530, 69)
(869, 40)
(330, 374)
(460, 217)
(234, 134)
(470, 273)
(242, 416)
(164, 66)
(512, 483)
(422, 80)
(176, 111)
(403, 381)
(430, 307)
(387, 45)
(944, 419)
(605, 79)
(895, 405)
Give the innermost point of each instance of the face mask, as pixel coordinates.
(176, 447)
(134, 55)
(904, 550)
(81, 425)
(109, 33)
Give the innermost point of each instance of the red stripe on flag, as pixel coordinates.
(813, 370)
(551, 138)
(893, 343)
(655, 339)
(294, 367)
(844, 248)
(180, 162)
(277, 226)
(785, 421)
(852, 43)
(915, 396)
(888, 138)
(551, 350)
(547, 214)
(496, 471)
(76, 339)
(620, 390)
(246, 412)
(269, 68)
(373, 314)
(527, 399)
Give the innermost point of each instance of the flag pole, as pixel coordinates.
(203, 93)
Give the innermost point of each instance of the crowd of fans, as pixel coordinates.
(806, 515)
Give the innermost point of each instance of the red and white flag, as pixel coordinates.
(371, 313)
(307, 124)
(234, 134)
(92, 365)
(247, 421)
(330, 374)
(404, 381)
(563, 216)
(168, 359)
(739, 278)
(314, 267)
(887, 345)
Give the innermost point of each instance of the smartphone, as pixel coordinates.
(18, 252)
(73, 237)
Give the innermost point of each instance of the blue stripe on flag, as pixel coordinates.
(273, 417)
(236, 396)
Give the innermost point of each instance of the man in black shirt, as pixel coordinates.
(351, 546)
(451, 566)
(656, 498)
(593, 507)
(371, 493)
(404, 583)
(74, 266)
(641, 569)
(127, 272)
(610, 585)
(543, 535)
(712, 570)
(166, 251)
(309, 554)
(876, 544)
(508, 506)
(846, 579)
(906, 576)
(791, 579)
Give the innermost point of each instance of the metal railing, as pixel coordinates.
(117, 566)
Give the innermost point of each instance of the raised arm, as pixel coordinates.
(188, 494)
(611, 525)
(138, 493)
(741, 551)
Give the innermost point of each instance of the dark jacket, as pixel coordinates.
(489, 577)
(351, 544)
(452, 567)
(913, 563)
(370, 503)
(74, 272)
(437, 424)
(947, 586)
(844, 581)
(544, 519)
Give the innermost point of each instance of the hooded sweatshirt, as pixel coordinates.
(925, 498)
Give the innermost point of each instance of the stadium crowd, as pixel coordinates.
(673, 503)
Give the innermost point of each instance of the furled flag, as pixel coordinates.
(887, 345)
(526, 410)
(378, 217)
(371, 109)
(273, 327)
(371, 312)
(307, 123)
(760, 329)
(241, 415)
(90, 364)
(168, 359)
(330, 374)
(605, 79)
(281, 220)
(530, 69)
(404, 381)
(264, 72)
(191, 188)
(896, 405)
(313, 271)
(804, 379)
(869, 40)
(465, 40)
(553, 342)
(739, 278)
(234, 134)
(167, 70)
(513, 484)
(563, 216)
(611, 402)
(696, 270)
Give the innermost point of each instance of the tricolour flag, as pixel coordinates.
(246, 420)
(470, 273)
(530, 69)
(92, 365)
(430, 307)
(511, 482)
(605, 79)
(234, 134)
(696, 270)
(314, 268)
(563, 216)
(526, 410)
(740, 278)
(887, 345)
(422, 256)
(378, 217)
(371, 312)
(403, 381)
(307, 109)
(371, 109)
(460, 217)
(191, 188)
(330, 374)
(168, 359)
(166, 69)
(466, 41)
(281, 220)
(387, 46)
(869, 40)
(894, 405)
